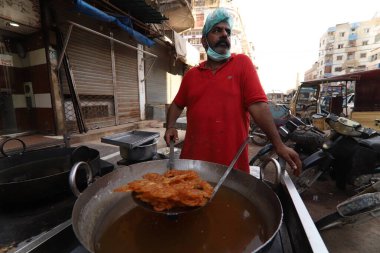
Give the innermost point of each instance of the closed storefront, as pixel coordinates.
(104, 73)
(162, 81)
(89, 57)
(127, 87)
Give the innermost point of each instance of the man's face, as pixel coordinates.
(219, 38)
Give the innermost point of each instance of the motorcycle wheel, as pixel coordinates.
(258, 136)
(307, 178)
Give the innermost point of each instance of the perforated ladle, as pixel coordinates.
(179, 210)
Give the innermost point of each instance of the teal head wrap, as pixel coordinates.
(217, 16)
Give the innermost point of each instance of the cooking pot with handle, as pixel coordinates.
(98, 206)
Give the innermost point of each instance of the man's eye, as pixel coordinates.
(220, 30)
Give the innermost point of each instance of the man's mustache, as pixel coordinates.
(222, 41)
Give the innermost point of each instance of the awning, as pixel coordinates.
(140, 10)
(123, 22)
(185, 51)
(346, 77)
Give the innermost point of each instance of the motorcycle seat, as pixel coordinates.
(372, 143)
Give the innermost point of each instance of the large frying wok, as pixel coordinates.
(37, 175)
(98, 206)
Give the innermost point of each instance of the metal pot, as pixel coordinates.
(36, 175)
(143, 152)
(98, 206)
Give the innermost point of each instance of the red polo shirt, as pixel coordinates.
(217, 114)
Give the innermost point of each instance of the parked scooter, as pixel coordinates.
(304, 139)
(363, 206)
(349, 153)
(280, 114)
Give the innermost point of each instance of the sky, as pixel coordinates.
(286, 33)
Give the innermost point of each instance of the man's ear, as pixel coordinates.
(204, 42)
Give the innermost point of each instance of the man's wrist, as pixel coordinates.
(167, 128)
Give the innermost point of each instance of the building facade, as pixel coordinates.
(73, 66)
(346, 48)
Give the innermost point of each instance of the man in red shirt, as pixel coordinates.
(220, 94)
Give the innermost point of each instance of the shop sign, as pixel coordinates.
(6, 60)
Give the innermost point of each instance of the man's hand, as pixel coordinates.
(170, 133)
(291, 157)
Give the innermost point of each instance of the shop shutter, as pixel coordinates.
(90, 60)
(127, 91)
(156, 80)
(89, 57)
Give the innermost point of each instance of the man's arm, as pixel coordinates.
(261, 114)
(174, 111)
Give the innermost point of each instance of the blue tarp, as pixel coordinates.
(352, 36)
(123, 22)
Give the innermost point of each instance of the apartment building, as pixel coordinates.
(348, 47)
(201, 9)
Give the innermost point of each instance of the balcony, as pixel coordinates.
(179, 13)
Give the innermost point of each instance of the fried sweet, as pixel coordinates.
(175, 188)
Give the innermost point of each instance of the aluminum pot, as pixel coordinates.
(98, 206)
(143, 152)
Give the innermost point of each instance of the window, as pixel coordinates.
(377, 37)
(363, 55)
(199, 20)
(339, 57)
(341, 34)
(350, 56)
(365, 42)
(366, 30)
(340, 46)
(338, 69)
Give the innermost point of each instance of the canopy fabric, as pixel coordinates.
(185, 51)
(123, 22)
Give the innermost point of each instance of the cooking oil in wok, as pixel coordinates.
(230, 223)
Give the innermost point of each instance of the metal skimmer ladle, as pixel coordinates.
(179, 210)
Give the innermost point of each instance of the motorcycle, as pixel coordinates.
(363, 206)
(304, 139)
(280, 114)
(351, 153)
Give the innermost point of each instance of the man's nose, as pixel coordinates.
(224, 32)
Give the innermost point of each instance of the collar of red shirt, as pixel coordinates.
(202, 66)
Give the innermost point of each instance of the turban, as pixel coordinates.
(217, 16)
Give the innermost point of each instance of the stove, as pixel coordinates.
(24, 227)
(51, 228)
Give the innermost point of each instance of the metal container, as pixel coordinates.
(131, 139)
(41, 174)
(98, 206)
(143, 152)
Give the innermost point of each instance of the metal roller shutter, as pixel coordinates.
(127, 90)
(156, 81)
(90, 60)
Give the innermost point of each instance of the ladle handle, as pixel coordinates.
(171, 154)
(230, 167)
